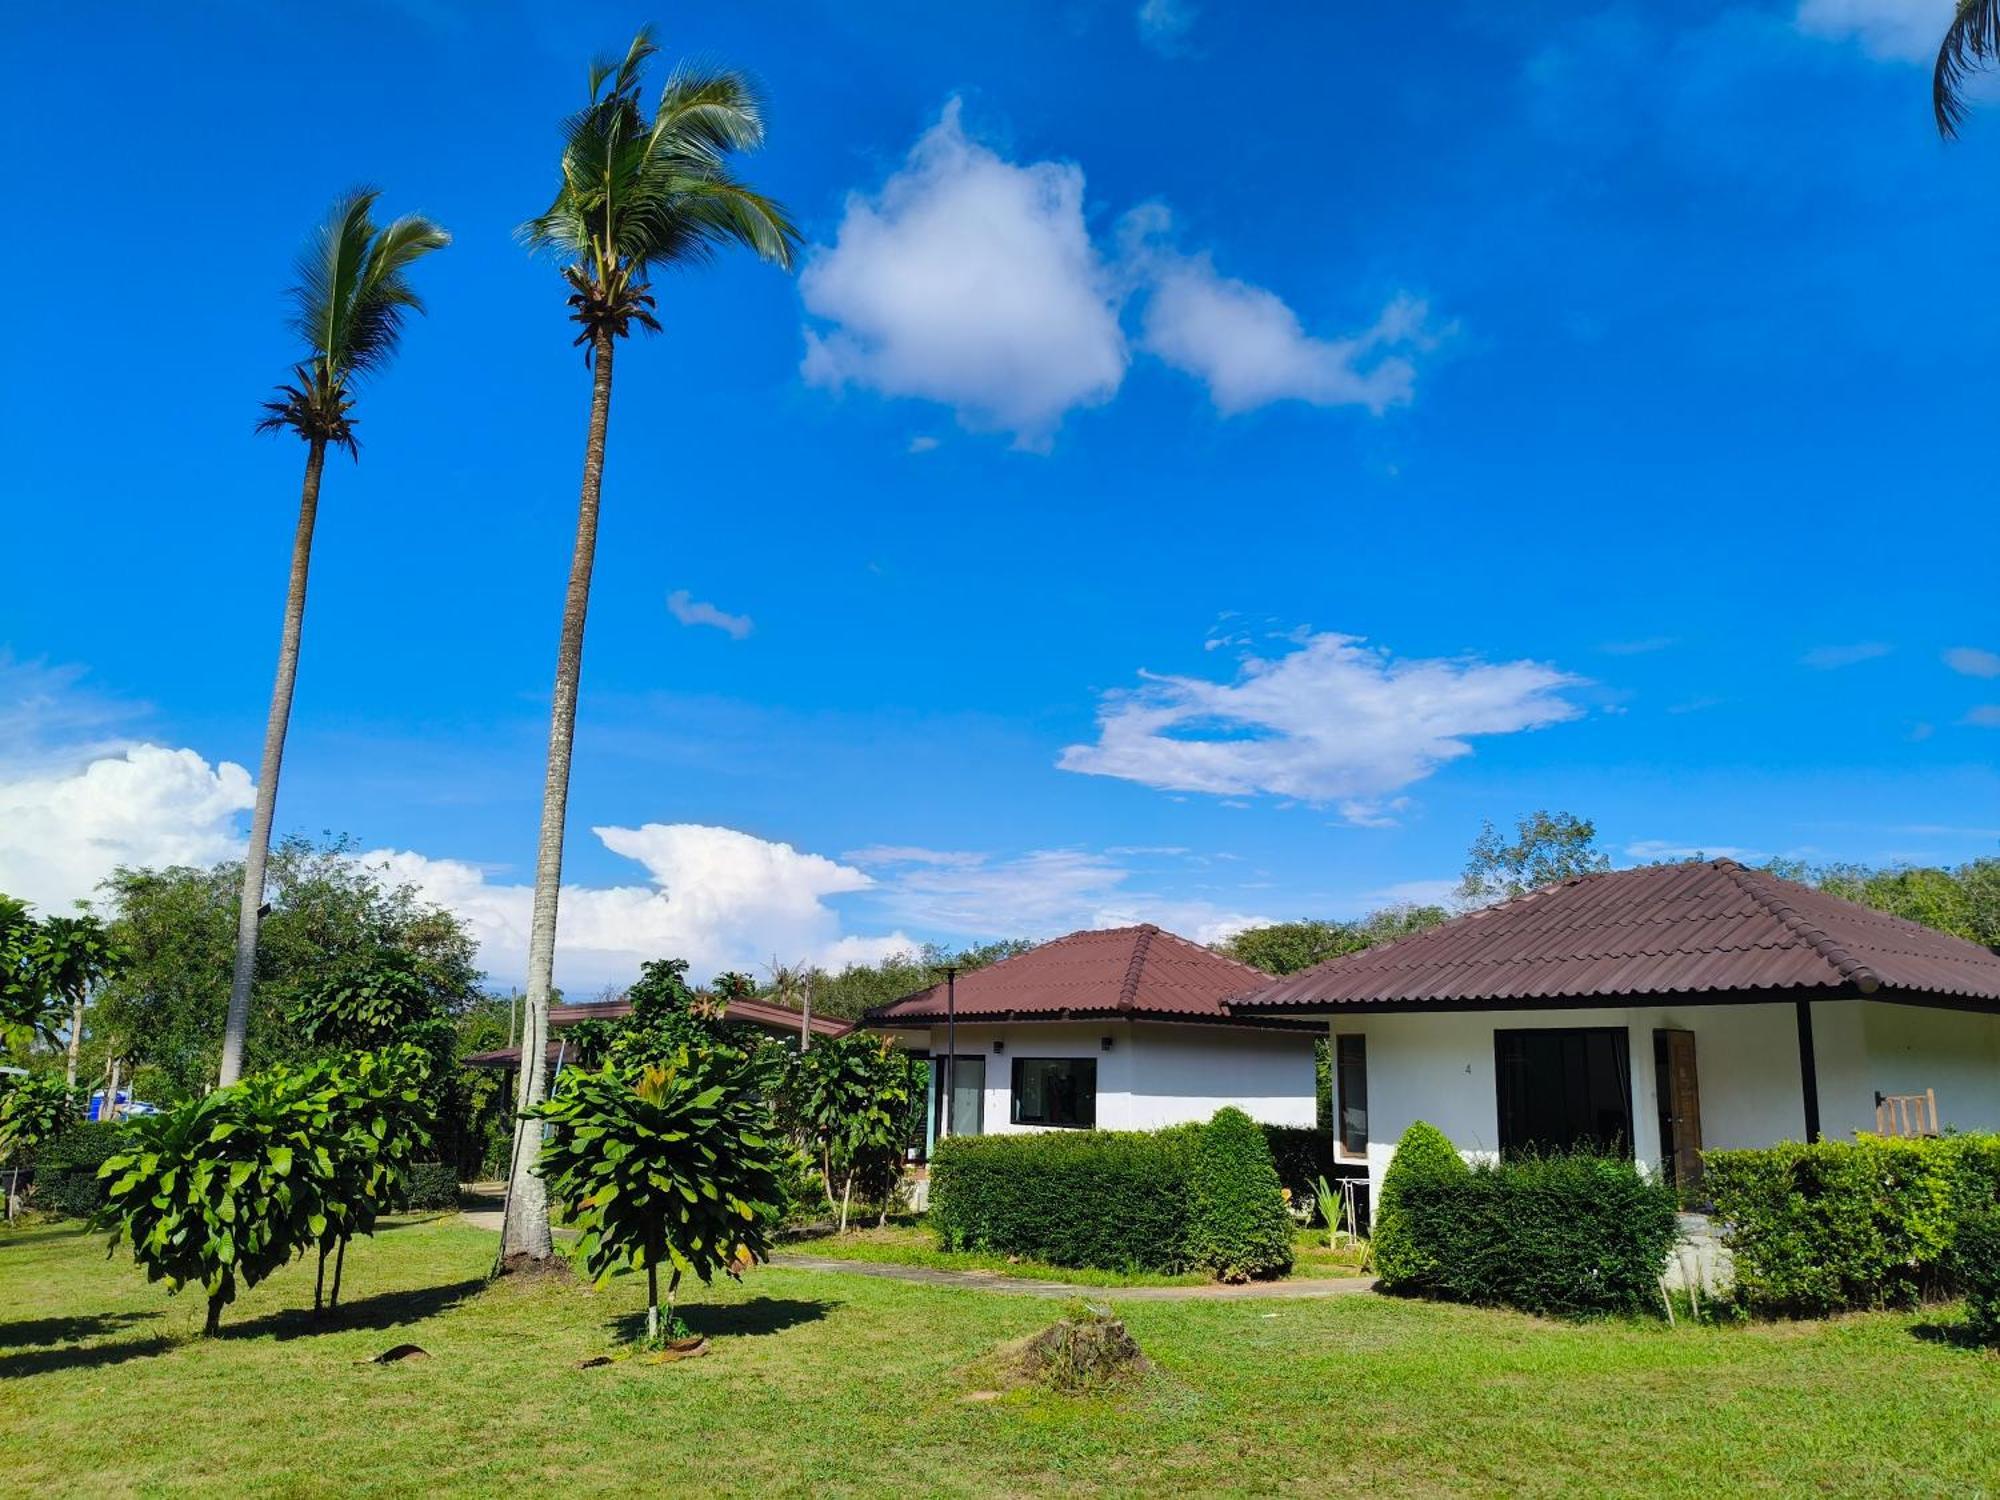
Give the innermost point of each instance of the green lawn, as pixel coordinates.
(827, 1384)
(910, 1244)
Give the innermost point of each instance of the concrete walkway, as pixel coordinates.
(1021, 1286)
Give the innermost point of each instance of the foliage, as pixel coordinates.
(1302, 1156)
(639, 193)
(1569, 1234)
(66, 1182)
(1976, 1265)
(1117, 1200)
(375, 1119)
(24, 998)
(35, 1108)
(222, 1190)
(348, 309)
(1963, 900)
(859, 988)
(1423, 1153)
(1238, 1228)
(678, 1167)
(1971, 44)
(372, 997)
(1835, 1225)
(1548, 847)
(429, 1186)
(1287, 947)
(47, 965)
(330, 916)
(849, 1098)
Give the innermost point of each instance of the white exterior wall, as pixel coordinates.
(1156, 1073)
(1439, 1066)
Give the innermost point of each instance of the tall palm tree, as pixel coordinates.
(638, 194)
(1971, 43)
(348, 307)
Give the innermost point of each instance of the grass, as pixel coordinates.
(908, 1243)
(826, 1384)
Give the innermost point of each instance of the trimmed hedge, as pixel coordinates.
(1836, 1225)
(1163, 1200)
(1302, 1156)
(430, 1185)
(66, 1181)
(1567, 1234)
(1237, 1224)
(1114, 1199)
(1401, 1258)
(1976, 1260)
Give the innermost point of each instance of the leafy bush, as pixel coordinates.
(1237, 1225)
(34, 1110)
(1112, 1199)
(1424, 1153)
(375, 1117)
(1302, 1156)
(1976, 1262)
(1833, 1225)
(849, 1098)
(678, 1167)
(1567, 1234)
(66, 1182)
(222, 1190)
(430, 1185)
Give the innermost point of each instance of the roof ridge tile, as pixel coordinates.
(1843, 963)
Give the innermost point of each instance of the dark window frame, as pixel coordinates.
(1578, 1087)
(1014, 1092)
(1344, 1137)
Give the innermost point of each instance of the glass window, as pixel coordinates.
(1351, 1085)
(1055, 1091)
(1563, 1088)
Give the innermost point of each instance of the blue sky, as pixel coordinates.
(1205, 465)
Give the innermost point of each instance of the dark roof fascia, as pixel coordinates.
(1272, 1021)
(1664, 998)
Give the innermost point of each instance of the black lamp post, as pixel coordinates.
(950, 1043)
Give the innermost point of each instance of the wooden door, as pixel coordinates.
(1680, 1107)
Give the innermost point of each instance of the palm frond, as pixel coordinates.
(1971, 44)
(710, 110)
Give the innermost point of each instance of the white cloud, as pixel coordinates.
(970, 281)
(1985, 716)
(1332, 721)
(64, 830)
(691, 611)
(1164, 25)
(1828, 658)
(1041, 894)
(1899, 30)
(923, 443)
(718, 897)
(1973, 662)
(1249, 346)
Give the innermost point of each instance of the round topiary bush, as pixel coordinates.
(1237, 1224)
(1423, 1154)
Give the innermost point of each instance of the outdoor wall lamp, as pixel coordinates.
(998, 1045)
(1104, 1042)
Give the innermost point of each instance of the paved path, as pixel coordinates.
(1021, 1286)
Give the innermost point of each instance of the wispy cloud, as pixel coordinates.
(1334, 721)
(1897, 30)
(1164, 25)
(1972, 661)
(691, 611)
(1829, 658)
(1985, 716)
(1640, 647)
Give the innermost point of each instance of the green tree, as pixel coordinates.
(75, 956)
(1971, 43)
(638, 194)
(348, 309)
(376, 1116)
(851, 1096)
(677, 1167)
(1423, 1153)
(1548, 847)
(858, 987)
(24, 991)
(35, 1108)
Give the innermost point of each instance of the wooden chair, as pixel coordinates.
(1906, 1114)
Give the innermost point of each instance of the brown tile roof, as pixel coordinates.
(780, 1019)
(1661, 930)
(1120, 971)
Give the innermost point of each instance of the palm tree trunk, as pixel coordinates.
(237, 1027)
(527, 1214)
(75, 1037)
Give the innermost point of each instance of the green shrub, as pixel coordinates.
(1111, 1199)
(34, 1110)
(1834, 1225)
(1976, 1263)
(66, 1182)
(1404, 1261)
(1237, 1225)
(1565, 1234)
(1302, 1156)
(429, 1186)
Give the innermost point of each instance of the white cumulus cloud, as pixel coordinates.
(1902, 30)
(971, 281)
(1332, 721)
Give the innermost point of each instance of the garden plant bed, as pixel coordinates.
(823, 1385)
